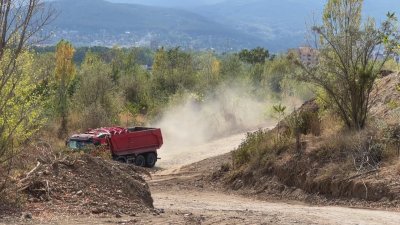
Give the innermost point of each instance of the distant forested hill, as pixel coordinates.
(167, 25)
(201, 24)
(283, 23)
(90, 15)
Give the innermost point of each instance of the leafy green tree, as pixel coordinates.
(173, 70)
(65, 72)
(208, 69)
(348, 65)
(254, 56)
(134, 81)
(20, 103)
(21, 113)
(231, 67)
(97, 100)
(275, 72)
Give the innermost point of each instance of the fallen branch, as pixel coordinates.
(30, 172)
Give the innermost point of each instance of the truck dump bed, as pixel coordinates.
(136, 141)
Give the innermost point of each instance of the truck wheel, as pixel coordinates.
(140, 161)
(121, 159)
(151, 160)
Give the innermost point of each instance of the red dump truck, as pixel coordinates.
(136, 145)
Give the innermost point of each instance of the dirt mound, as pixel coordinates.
(85, 184)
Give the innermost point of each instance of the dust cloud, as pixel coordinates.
(224, 112)
(195, 127)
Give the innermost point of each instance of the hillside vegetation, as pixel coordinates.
(345, 143)
(328, 161)
(95, 87)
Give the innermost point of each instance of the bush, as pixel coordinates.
(363, 149)
(305, 120)
(391, 134)
(259, 148)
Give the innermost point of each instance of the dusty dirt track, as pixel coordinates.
(181, 197)
(179, 190)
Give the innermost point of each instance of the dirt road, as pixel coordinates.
(179, 192)
(212, 208)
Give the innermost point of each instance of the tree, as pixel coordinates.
(173, 71)
(208, 71)
(348, 64)
(64, 72)
(231, 67)
(21, 114)
(20, 102)
(97, 100)
(275, 72)
(254, 56)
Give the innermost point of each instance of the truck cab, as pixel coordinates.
(81, 141)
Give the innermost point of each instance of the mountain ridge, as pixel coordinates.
(224, 25)
(167, 26)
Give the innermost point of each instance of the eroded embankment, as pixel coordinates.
(298, 179)
(334, 165)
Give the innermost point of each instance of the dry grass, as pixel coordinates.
(331, 124)
(334, 171)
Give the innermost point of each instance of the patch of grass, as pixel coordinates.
(391, 135)
(364, 149)
(310, 123)
(225, 167)
(393, 104)
(334, 150)
(335, 170)
(259, 148)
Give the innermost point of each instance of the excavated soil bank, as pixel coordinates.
(296, 181)
(86, 185)
(325, 162)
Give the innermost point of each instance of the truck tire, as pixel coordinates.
(151, 160)
(121, 159)
(140, 161)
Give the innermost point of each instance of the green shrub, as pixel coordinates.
(259, 148)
